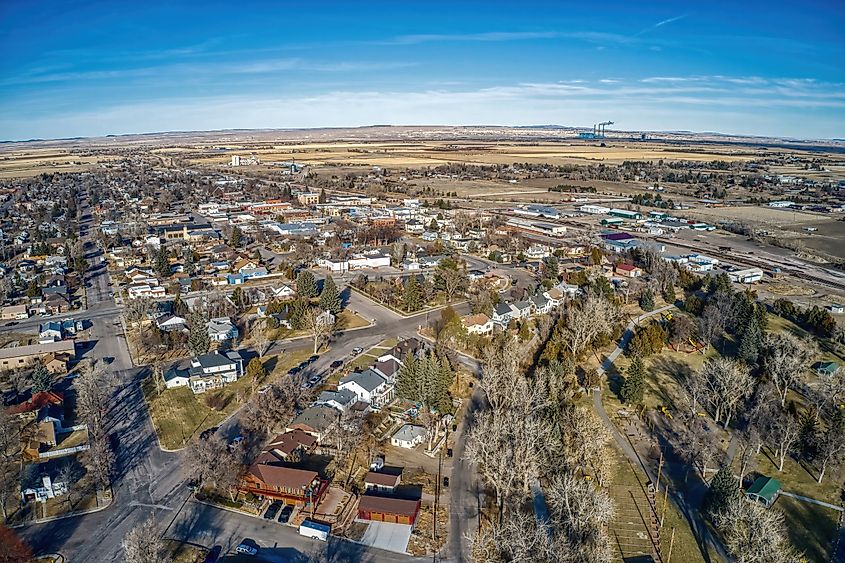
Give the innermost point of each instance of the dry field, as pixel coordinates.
(433, 153)
(22, 164)
(762, 216)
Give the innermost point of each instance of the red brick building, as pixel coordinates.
(388, 509)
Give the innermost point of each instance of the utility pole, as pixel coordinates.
(671, 544)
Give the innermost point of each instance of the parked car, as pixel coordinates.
(247, 547)
(208, 432)
(284, 515)
(336, 364)
(294, 370)
(273, 510)
(312, 359)
(357, 350)
(315, 380)
(213, 554)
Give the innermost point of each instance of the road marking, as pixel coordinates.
(159, 506)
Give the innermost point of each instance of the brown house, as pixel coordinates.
(388, 509)
(290, 446)
(384, 482)
(293, 486)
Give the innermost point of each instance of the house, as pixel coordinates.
(502, 314)
(478, 324)
(825, 369)
(14, 313)
(25, 356)
(221, 329)
(522, 309)
(299, 487)
(287, 446)
(56, 363)
(627, 270)
(308, 198)
(409, 436)
(51, 331)
(369, 387)
(316, 420)
(138, 290)
(282, 292)
(381, 482)
(554, 296)
(206, 372)
(540, 304)
(388, 509)
(341, 400)
(37, 401)
(39, 483)
(168, 322)
(388, 368)
(764, 490)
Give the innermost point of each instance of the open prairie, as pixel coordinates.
(26, 163)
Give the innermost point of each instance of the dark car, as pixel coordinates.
(273, 510)
(208, 432)
(294, 370)
(213, 554)
(446, 482)
(449, 452)
(312, 359)
(284, 515)
(336, 364)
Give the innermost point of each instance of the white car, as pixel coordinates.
(246, 549)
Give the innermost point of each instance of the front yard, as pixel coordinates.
(178, 413)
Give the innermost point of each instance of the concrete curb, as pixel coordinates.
(66, 516)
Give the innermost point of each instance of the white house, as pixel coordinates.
(369, 387)
(502, 314)
(206, 372)
(408, 436)
(478, 324)
(136, 291)
(169, 322)
(282, 291)
(221, 328)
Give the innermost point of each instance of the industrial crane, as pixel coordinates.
(601, 128)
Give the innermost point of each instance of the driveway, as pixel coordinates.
(387, 536)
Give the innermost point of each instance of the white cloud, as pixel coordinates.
(788, 107)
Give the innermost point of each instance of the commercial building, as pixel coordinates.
(594, 209)
(625, 214)
(748, 275)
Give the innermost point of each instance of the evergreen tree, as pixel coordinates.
(306, 285)
(433, 226)
(188, 259)
(750, 342)
(236, 238)
(407, 380)
(255, 369)
(723, 488)
(42, 380)
(198, 340)
(238, 298)
(647, 300)
(162, 263)
(669, 294)
(296, 316)
(634, 385)
(180, 309)
(412, 299)
(330, 296)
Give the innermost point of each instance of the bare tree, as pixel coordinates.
(69, 473)
(728, 384)
(143, 544)
(260, 337)
(753, 534)
(784, 433)
(319, 326)
(831, 446)
(785, 357)
(696, 445)
(593, 316)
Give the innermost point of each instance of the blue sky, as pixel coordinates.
(95, 68)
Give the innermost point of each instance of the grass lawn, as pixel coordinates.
(811, 528)
(178, 413)
(346, 320)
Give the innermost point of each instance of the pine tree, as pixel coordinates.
(198, 341)
(750, 342)
(238, 298)
(180, 309)
(42, 380)
(647, 300)
(306, 285)
(162, 263)
(255, 370)
(634, 385)
(330, 296)
(412, 299)
(723, 488)
(236, 238)
(296, 316)
(407, 380)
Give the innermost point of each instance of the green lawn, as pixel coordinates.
(363, 361)
(347, 320)
(178, 414)
(811, 528)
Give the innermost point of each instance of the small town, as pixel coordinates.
(317, 340)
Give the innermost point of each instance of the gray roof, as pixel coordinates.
(503, 309)
(409, 432)
(342, 397)
(320, 418)
(369, 380)
(213, 359)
